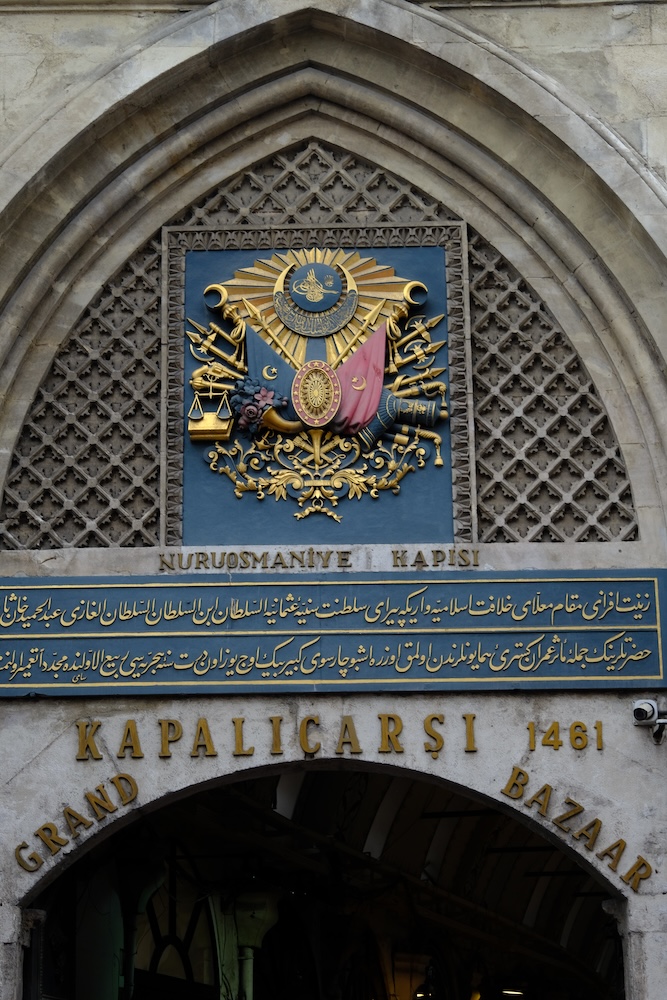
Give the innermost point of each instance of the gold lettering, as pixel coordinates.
(559, 820)
(48, 833)
(589, 833)
(464, 557)
(125, 795)
(261, 560)
(640, 870)
(390, 735)
(278, 562)
(542, 798)
(184, 565)
(203, 739)
(171, 731)
(344, 557)
(438, 556)
(400, 557)
(276, 741)
(166, 561)
(419, 562)
(614, 851)
(303, 734)
(348, 736)
(74, 820)
(475, 557)
(100, 804)
(515, 786)
(239, 750)
(87, 746)
(470, 733)
(130, 740)
(201, 560)
(232, 560)
(438, 740)
(244, 560)
(297, 558)
(32, 862)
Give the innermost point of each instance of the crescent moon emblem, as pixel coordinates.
(269, 373)
(222, 292)
(358, 378)
(410, 288)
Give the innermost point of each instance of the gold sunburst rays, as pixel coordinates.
(376, 285)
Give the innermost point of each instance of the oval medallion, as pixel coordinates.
(316, 393)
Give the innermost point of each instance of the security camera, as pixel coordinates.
(645, 712)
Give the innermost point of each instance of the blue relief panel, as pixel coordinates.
(316, 415)
(328, 634)
(323, 421)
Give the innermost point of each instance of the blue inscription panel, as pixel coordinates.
(331, 634)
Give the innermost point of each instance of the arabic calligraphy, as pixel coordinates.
(217, 606)
(338, 659)
(328, 633)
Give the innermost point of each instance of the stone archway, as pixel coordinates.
(479, 156)
(535, 406)
(172, 747)
(331, 879)
(570, 213)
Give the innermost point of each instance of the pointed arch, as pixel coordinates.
(486, 137)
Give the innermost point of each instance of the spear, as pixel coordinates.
(205, 344)
(370, 318)
(256, 315)
(419, 354)
(420, 328)
(427, 375)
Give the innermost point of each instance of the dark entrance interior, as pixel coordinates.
(315, 884)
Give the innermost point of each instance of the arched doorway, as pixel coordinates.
(330, 883)
(385, 887)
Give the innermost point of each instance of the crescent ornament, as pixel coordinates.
(410, 288)
(222, 292)
(269, 373)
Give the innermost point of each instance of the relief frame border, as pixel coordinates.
(452, 236)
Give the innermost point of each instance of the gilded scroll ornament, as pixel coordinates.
(317, 385)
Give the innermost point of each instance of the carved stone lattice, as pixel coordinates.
(92, 455)
(314, 186)
(86, 469)
(549, 468)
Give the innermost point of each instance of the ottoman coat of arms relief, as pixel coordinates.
(319, 379)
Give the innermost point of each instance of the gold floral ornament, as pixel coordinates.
(342, 389)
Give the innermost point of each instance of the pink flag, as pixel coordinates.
(361, 378)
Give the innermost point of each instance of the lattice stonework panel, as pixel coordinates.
(548, 465)
(92, 453)
(314, 186)
(86, 469)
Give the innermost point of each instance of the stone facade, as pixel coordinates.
(534, 136)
